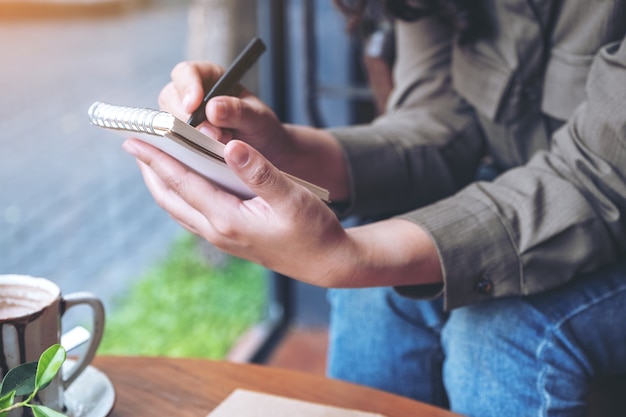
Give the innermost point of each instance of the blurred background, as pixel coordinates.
(73, 207)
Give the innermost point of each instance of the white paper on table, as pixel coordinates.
(245, 403)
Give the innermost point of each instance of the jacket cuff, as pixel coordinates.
(479, 259)
(378, 181)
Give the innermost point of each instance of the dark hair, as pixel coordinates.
(466, 17)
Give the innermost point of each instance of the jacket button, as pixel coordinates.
(484, 286)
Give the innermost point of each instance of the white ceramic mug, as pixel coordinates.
(30, 321)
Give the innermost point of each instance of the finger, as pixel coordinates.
(191, 200)
(187, 216)
(170, 101)
(191, 79)
(220, 134)
(233, 112)
(261, 176)
(176, 178)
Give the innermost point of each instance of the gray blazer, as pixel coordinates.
(544, 100)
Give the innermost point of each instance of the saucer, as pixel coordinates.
(90, 395)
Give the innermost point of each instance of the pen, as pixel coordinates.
(230, 78)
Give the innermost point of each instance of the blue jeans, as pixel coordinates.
(530, 356)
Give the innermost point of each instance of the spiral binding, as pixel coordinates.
(123, 118)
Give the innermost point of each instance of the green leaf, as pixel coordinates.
(43, 411)
(6, 401)
(49, 364)
(20, 379)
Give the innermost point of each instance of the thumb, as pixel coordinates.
(263, 178)
(229, 112)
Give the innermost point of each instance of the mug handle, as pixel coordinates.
(72, 300)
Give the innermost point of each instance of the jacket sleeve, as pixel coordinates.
(427, 145)
(540, 225)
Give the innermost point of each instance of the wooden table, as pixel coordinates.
(147, 387)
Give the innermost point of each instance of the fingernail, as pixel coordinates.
(240, 155)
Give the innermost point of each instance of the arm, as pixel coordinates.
(428, 143)
(288, 231)
(425, 147)
(560, 215)
(286, 228)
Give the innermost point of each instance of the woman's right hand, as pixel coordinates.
(242, 116)
(298, 150)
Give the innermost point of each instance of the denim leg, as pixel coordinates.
(537, 355)
(389, 342)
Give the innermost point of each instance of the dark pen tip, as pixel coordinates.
(193, 122)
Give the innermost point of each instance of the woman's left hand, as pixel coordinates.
(286, 228)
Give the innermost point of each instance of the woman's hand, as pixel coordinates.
(242, 116)
(286, 228)
(298, 150)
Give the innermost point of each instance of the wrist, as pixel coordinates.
(393, 252)
(316, 156)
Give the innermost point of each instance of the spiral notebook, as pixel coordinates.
(181, 141)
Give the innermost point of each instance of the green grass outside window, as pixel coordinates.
(185, 307)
